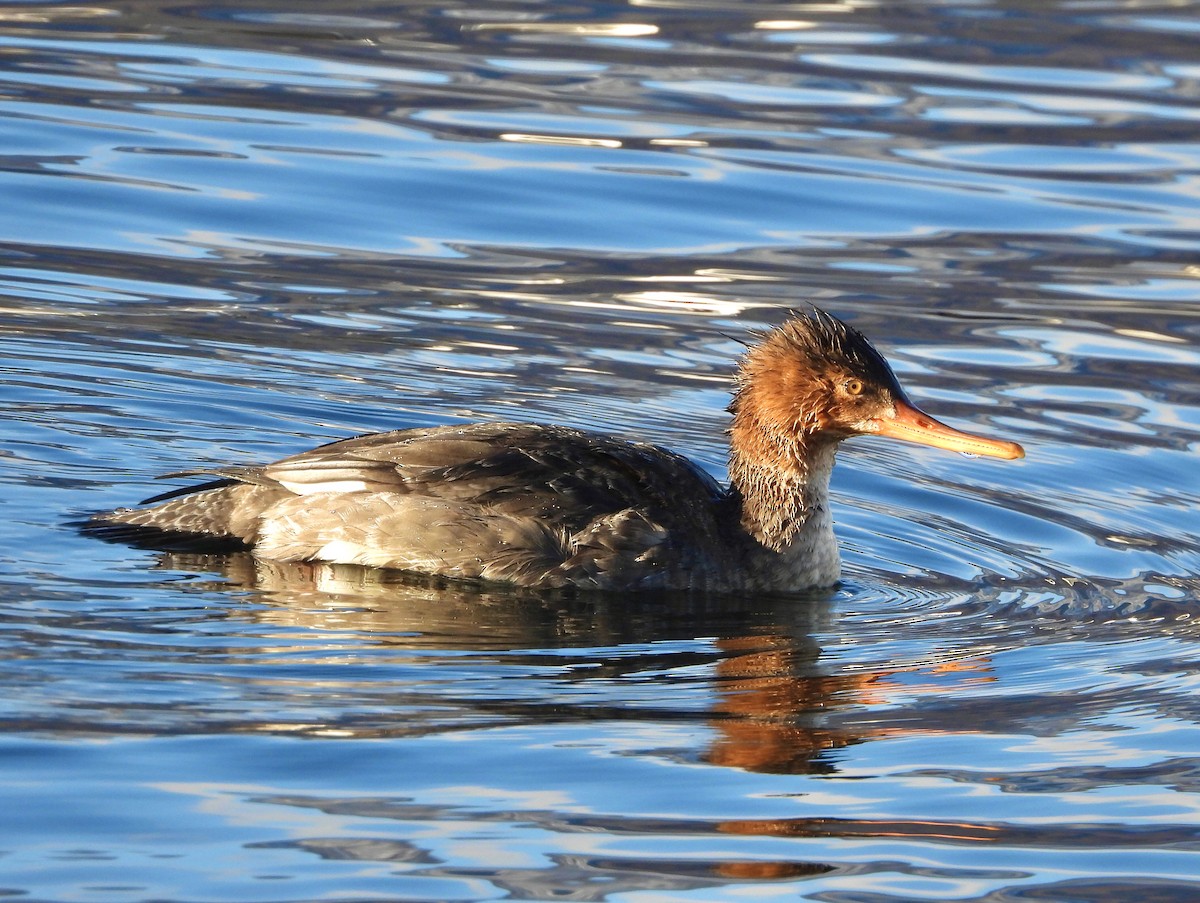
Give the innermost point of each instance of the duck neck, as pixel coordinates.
(782, 486)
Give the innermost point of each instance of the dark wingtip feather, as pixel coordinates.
(187, 490)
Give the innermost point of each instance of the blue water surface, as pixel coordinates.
(229, 232)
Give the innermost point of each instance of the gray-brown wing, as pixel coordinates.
(565, 478)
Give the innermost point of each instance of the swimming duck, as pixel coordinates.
(546, 506)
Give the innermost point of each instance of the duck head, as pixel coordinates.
(815, 380)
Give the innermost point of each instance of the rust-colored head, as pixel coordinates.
(815, 377)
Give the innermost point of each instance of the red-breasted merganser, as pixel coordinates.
(545, 506)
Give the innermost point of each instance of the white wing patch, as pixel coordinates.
(331, 486)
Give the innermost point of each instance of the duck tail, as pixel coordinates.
(223, 510)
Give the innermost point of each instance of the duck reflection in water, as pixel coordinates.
(775, 707)
(770, 703)
(548, 507)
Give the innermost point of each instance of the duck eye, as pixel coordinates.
(853, 386)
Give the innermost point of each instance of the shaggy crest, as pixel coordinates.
(825, 344)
